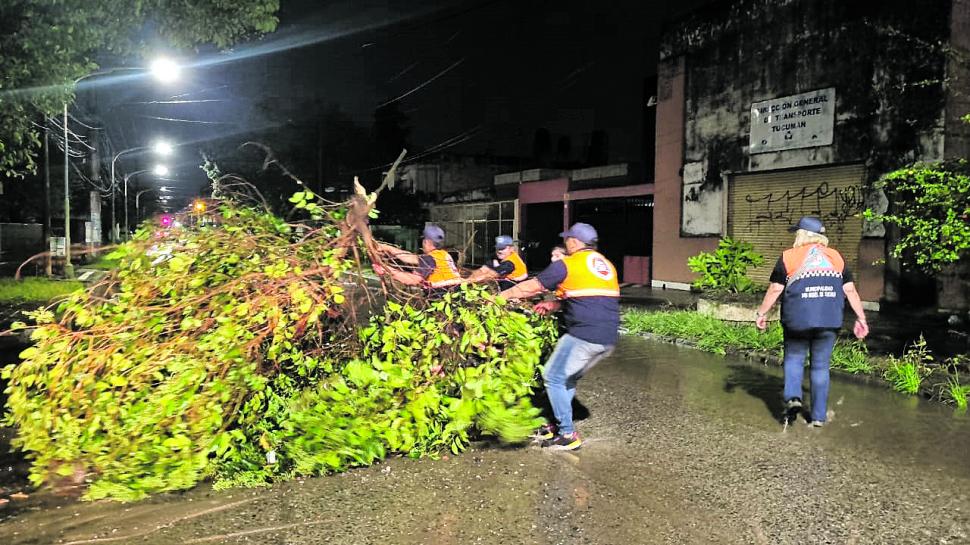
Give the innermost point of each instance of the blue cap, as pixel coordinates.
(503, 241)
(433, 233)
(808, 223)
(583, 232)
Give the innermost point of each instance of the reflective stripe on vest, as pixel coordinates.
(445, 273)
(519, 273)
(589, 274)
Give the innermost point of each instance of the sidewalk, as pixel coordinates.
(646, 296)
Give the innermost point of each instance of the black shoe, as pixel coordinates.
(564, 441)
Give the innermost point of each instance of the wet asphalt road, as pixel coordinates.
(681, 447)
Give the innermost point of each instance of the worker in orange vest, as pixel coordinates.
(434, 269)
(591, 296)
(507, 266)
(814, 285)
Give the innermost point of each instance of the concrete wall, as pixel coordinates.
(670, 249)
(448, 176)
(957, 142)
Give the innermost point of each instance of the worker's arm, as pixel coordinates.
(524, 290)
(861, 328)
(404, 277)
(397, 253)
(483, 274)
(774, 291)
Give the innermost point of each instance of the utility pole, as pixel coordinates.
(47, 198)
(68, 266)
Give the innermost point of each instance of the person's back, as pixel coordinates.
(592, 297)
(813, 296)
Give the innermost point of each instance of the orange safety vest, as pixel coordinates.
(589, 274)
(519, 273)
(445, 273)
(796, 262)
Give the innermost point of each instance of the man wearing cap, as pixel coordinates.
(434, 270)
(815, 283)
(507, 266)
(591, 295)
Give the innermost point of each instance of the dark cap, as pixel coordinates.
(434, 234)
(583, 232)
(503, 241)
(808, 223)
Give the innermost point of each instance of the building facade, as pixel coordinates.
(768, 110)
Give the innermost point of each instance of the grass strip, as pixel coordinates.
(35, 290)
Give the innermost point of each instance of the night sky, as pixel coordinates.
(472, 77)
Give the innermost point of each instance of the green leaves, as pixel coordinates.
(726, 269)
(931, 207)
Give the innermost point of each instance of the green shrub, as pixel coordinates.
(852, 357)
(907, 372)
(725, 270)
(932, 213)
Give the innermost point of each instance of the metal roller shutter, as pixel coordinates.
(763, 205)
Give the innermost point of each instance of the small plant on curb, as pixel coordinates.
(852, 357)
(956, 393)
(907, 372)
(725, 270)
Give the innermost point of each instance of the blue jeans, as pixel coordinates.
(797, 345)
(571, 359)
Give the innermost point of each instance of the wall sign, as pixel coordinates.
(797, 121)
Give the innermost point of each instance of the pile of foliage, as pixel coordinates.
(244, 348)
(725, 270)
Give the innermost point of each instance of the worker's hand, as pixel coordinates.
(861, 329)
(545, 308)
(761, 321)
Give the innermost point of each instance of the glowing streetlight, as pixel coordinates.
(162, 147)
(160, 170)
(165, 70)
(138, 195)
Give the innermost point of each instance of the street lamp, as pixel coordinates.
(161, 147)
(139, 194)
(165, 71)
(158, 170)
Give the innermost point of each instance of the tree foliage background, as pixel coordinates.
(47, 44)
